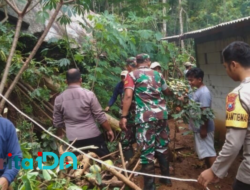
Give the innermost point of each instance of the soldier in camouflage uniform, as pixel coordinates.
(152, 131)
(128, 137)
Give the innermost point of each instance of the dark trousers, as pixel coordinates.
(96, 141)
(238, 185)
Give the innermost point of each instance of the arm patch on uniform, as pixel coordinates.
(236, 115)
(129, 83)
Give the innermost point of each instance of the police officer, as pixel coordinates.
(237, 64)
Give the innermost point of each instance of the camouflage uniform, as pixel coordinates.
(152, 131)
(128, 137)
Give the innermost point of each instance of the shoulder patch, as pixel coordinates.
(236, 115)
(231, 102)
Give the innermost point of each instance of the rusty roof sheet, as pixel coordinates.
(194, 33)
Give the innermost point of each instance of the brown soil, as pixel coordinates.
(188, 166)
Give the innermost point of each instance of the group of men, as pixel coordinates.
(144, 116)
(144, 120)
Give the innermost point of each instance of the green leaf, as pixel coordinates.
(52, 173)
(99, 26)
(42, 16)
(90, 175)
(98, 178)
(64, 62)
(79, 9)
(64, 19)
(145, 34)
(53, 40)
(45, 144)
(43, 136)
(158, 36)
(50, 4)
(46, 175)
(74, 187)
(79, 57)
(85, 187)
(53, 145)
(187, 133)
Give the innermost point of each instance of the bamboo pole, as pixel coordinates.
(109, 155)
(39, 107)
(131, 174)
(123, 178)
(122, 158)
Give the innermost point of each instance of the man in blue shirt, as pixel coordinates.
(204, 135)
(9, 150)
(117, 91)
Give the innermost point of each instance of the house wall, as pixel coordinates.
(209, 59)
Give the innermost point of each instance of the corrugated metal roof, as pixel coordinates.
(193, 33)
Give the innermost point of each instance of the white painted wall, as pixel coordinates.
(216, 78)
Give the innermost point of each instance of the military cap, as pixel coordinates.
(142, 57)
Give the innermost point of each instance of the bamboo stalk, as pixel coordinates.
(124, 179)
(86, 147)
(39, 107)
(109, 155)
(70, 145)
(131, 174)
(27, 87)
(122, 158)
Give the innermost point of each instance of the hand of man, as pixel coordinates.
(206, 177)
(60, 133)
(107, 109)
(110, 135)
(3, 183)
(123, 124)
(203, 133)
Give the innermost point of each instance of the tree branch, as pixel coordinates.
(32, 7)
(122, 158)
(26, 7)
(11, 54)
(13, 6)
(14, 3)
(6, 15)
(89, 25)
(32, 54)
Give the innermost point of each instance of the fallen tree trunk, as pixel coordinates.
(53, 86)
(114, 123)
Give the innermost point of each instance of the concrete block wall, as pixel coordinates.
(216, 77)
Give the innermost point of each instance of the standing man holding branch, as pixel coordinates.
(152, 131)
(77, 108)
(128, 136)
(118, 91)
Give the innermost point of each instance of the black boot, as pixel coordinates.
(164, 165)
(149, 182)
(128, 153)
